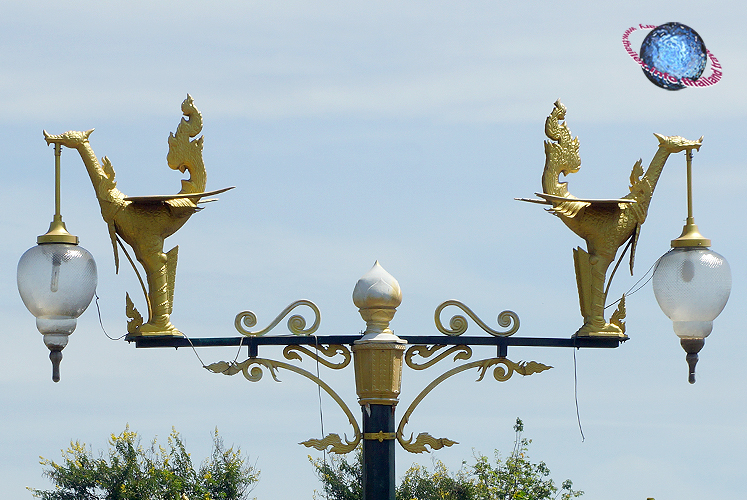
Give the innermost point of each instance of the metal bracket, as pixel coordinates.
(379, 436)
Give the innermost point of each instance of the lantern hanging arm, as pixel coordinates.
(692, 283)
(690, 236)
(57, 232)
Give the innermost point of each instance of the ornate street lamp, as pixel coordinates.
(56, 279)
(377, 354)
(692, 283)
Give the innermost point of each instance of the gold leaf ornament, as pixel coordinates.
(334, 443)
(423, 441)
(135, 320)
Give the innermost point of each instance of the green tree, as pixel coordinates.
(421, 484)
(513, 478)
(516, 477)
(132, 472)
(341, 480)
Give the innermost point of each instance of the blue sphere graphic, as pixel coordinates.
(674, 49)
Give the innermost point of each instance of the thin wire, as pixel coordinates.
(630, 290)
(575, 394)
(195, 350)
(101, 322)
(238, 351)
(319, 394)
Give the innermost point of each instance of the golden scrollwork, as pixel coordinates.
(458, 323)
(505, 369)
(332, 350)
(252, 370)
(333, 442)
(296, 323)
(251, 373)
(423, 441)
(618, 317)
(462, 352)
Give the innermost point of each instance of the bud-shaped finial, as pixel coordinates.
(377, 295)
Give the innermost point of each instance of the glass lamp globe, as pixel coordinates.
(56, 282)
(692, 285)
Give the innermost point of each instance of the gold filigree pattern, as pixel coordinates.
(251, 373)
(462, 352)
(251, 368)
(134, 319)
(504, 368)
(501, 373)
(333, 442)
(618, 317)
(421, 443)
(458, 323)
(296, 323)
(332, 350)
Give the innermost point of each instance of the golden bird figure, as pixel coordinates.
(605, 224)
(145, 222)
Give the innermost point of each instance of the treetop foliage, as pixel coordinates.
(130, 471)
(514, 478)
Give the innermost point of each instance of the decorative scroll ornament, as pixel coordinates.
(458, 324)
(252, 371)
(423, 441)
(332, 350)
(135, 320)
(334, 443)
(296, 323)
(462, 352)
(618, 316)
(503, 373)
(505, 369)
(605, 225)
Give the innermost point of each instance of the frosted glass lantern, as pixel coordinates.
(56, 278)
(56, 282)
(692, 286)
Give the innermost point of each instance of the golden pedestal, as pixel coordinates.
(378, 371)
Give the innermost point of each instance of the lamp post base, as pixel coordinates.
(378, 452)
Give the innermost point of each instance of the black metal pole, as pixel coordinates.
(378, 452)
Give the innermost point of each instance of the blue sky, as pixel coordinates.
(397, 131)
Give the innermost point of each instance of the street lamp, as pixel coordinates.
(56, 279)
(377, 354)
(692, 284)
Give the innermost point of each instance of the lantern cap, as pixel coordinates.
(690, 236)
(57, 233)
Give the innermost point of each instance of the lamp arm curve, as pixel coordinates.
(500, 373)
(331, 441)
